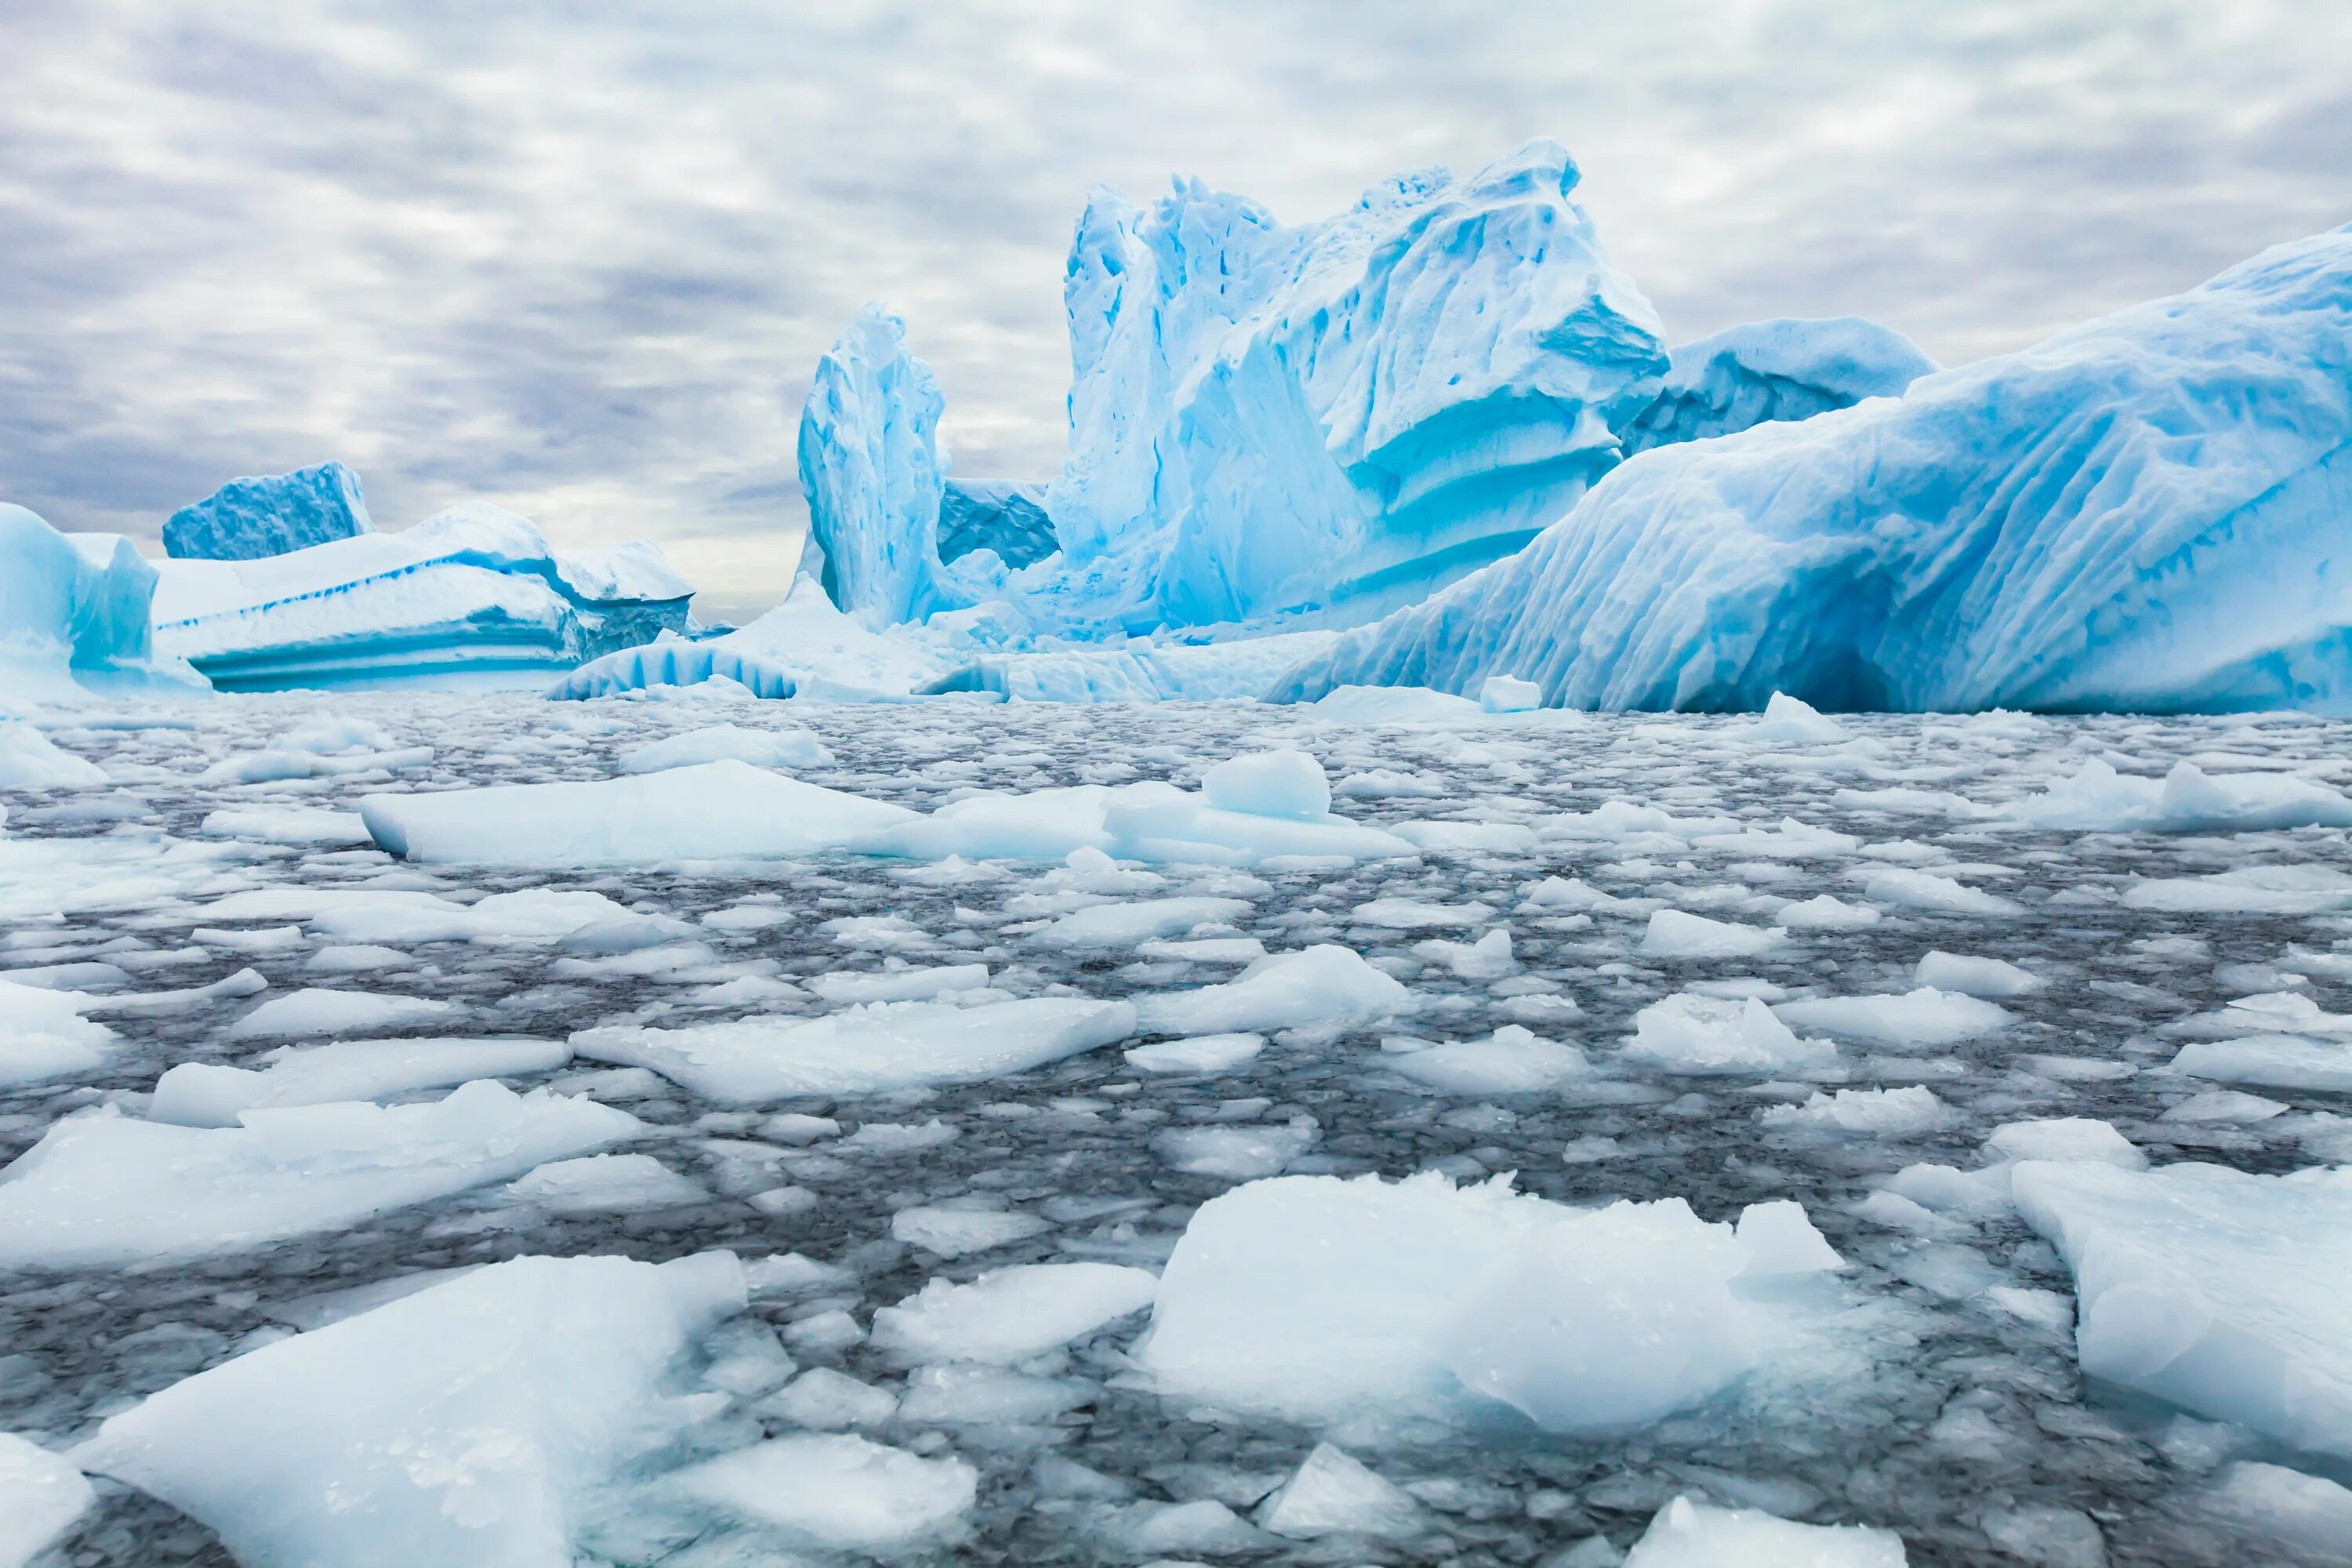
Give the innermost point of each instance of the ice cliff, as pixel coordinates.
(74, 614)
(245, 519)
(2144, 512)
(1786, 369)
(472, 595)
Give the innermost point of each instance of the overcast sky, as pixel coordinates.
(580, 258)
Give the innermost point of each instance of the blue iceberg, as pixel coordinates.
(471, 596)
(1792, 368)
(246, 520)
(74, 616)
(997, 515)
(2145, 512)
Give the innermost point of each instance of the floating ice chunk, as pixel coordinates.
(2308, 1513)
(1150, 822)
(1989, 977)
(1565, 893)
(200, 1094)
(1793, 840)
(1123, 925)
(313, 1011)
(1235, 1153)
(1673, 934)
(1689, 1032)
(1823, 913)
(824, 1400)
(2270, 1012)
(1414, 914)
(75, 616)
(281, 763)
(43, 1035)
(1488, 958)
(1326, 985)
(41, 1495)
(728, 743)
(1198, 1054)
(103, 1189)
(2293, 890)
(244, 982)
(1880, 1112)
(1777, 1239)
(1009, 1315)
(1913, 889)
(605, 1184)
(865, 1049)
(1400, 704)
(1269, 784)
(472, 1425)
(2219, 1291)
(1282, 1296)
(951, 1233)
(1150, 1532)
(910, 985)
(988, 1397)
(1332, 1494)
(2272, 1061)
(2223, 1106)
(1510, 694)
(2068, 1139)
(1510, 1061)
(1923, 1019)
(711, 811)
(30, 760)
(1686, 1535)
(1789, 721)
(2186, 800)
(298, 825)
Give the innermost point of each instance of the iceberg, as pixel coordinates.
(1763, 371)
(471, 596)
(75, 617)
(470, 1425)
(245, 519)
(2141, 513)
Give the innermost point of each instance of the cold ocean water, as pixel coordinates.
(1932, 1387)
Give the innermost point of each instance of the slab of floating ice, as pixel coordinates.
(1923, 1019)
(1282, 1298)
(2272, 1061)
(1240, 1153)
(1333, 1494)
(1672, 934)
(527, 915)
(951, 1233)
(1125, 925)
(299, 824)
(2227, 1107)
(1269, 784)
(914, 984)
(31, 760)
(865, 1049)
(2269, 1012)
(314, 1011)
(2185, 800)
(605, 1184)
(1823, 913)
(824, 1400)
(1415, 914)
(2309, 1513)
(711, 811)
(1908, 888)
(1988, 977)
(1506, 694)
(106, 1190)
(43, 1035)
(1694, 1033)
(201, 1094)
(837, 1492)
(1327, 985)
(2291, 889)
(1880, 1112)
(1686, 1535)
(1509, 1061)
(1009, 1315)
(41, 1495)
(1200, 1053)
(728, 743)
(472, 1425)
(2068, 1139)
(2221, 1292)
(244, 982)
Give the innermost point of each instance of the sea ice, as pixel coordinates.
(605, 1184)
(1331, 1493)
(1512, 1061)
(31, 760)
(1197, 1054)
(1326, 985)
(472, 1425)
(728, 743)
(41, 1496)
(1922, 1019)
(1009, 1315)
(106, 1190)
(43, 1035)
(201, 1094)
(1686, 1535)
(837, 1492)
(1695, 1034)
(863, 1049)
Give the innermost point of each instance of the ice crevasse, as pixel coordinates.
(2143, 512)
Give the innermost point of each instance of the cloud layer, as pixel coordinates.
(581, 259)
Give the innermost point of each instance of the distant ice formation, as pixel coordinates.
(245, 519)
(2141, 513)
(74, 616)
(472, 595)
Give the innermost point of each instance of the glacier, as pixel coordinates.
(473, 595)
(74, 617)
(245, 519)
(2081, 526)
(1792, 368)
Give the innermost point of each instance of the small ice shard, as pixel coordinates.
(1009, 1315)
